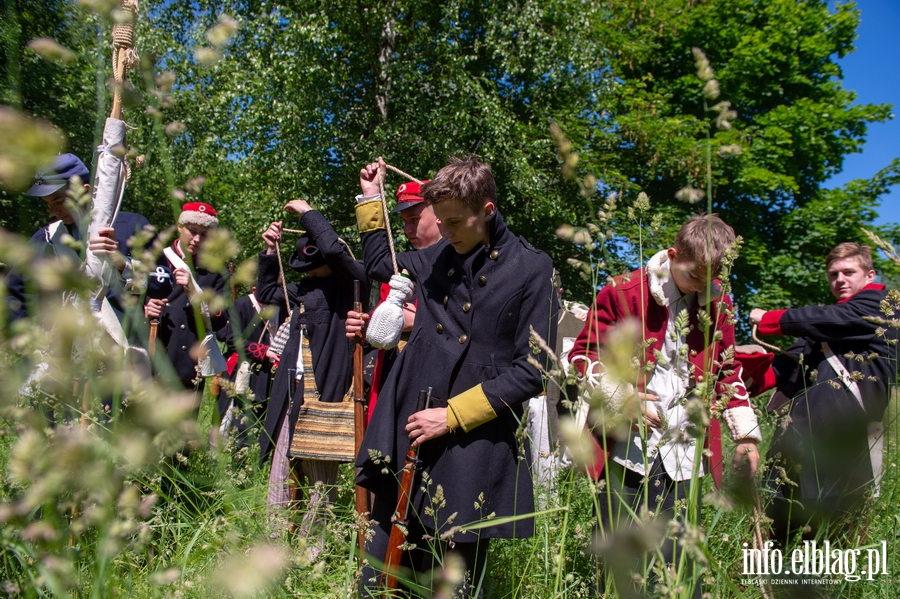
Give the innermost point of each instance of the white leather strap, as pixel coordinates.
(875, 431)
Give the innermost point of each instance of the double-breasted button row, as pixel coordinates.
(482, 280)
(467, 306)
(463, 338)
(494, 254)
(439, 328)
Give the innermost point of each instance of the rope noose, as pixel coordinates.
(123, 38)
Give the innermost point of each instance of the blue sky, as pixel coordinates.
(873, 72)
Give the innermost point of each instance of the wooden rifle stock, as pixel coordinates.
(151, 340)
(359, 417)
(400, 519)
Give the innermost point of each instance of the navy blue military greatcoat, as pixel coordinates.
(471, 344)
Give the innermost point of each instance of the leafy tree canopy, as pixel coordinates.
(267, 101)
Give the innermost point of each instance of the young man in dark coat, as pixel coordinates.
(325, 295)
(481, 291)
(171, 287)
(52, 186)
(834, 384)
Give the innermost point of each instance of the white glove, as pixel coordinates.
(386, 324)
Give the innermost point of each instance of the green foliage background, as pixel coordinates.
(306, 93)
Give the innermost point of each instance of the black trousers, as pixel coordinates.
(626, 547)
(422, 565)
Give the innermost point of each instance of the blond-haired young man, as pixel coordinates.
(653, 466)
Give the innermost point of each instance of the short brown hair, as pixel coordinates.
(704, 239)
(850, 249)
(468, 179)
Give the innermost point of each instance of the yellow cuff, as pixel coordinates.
(469, 409)
(369, 216)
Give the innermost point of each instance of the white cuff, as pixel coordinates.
(742, 423)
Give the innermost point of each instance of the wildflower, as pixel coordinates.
(642, 202)
(711, 89)
(730, 150)
(207, 56)
(578, 442)
(48, 49)
(219, 248)
(252, 573)
(165, 81)
(689, 194)
(224, 31)
(723, 121)
(565, 232)
(195, 186)
(175, 128)
(37, 142)
(704, 71)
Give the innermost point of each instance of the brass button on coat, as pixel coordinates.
(451, 272)
(439, 328)
(494, 254)
(467, 306)
(482, 281)
(463, 338)
(182, 327)
(446, 299)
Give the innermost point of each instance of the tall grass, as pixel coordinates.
(110, 488)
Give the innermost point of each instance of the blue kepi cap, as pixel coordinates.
(51, 180)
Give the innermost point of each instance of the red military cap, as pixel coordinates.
(408, 195)
(198, 213)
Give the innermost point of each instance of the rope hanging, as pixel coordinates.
(382, 174)
(774, 348)
(287, 301)
(123, 55)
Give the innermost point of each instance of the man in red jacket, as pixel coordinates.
(834, 383)
(681, 322)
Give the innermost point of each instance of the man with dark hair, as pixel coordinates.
(833, 385)
(480, 294)
(52, 186)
